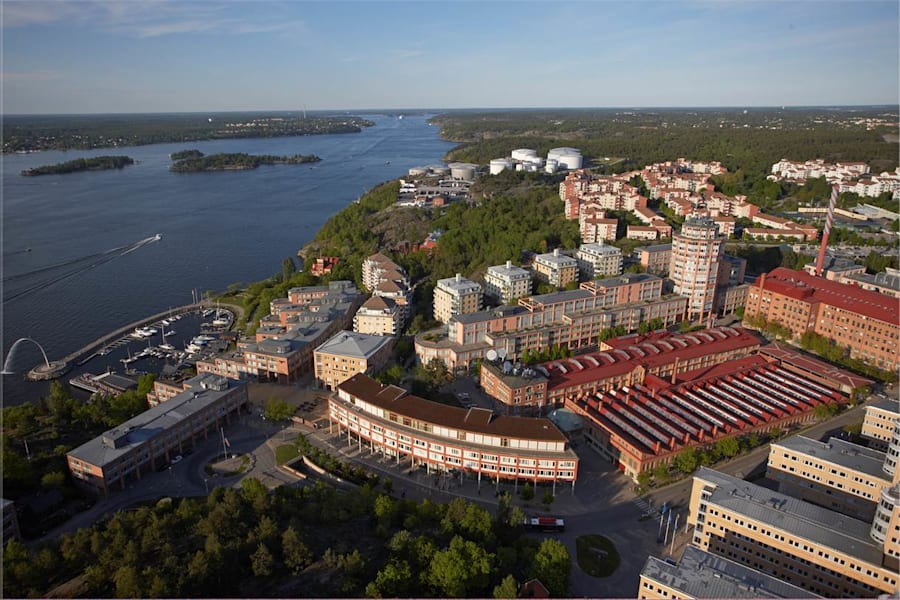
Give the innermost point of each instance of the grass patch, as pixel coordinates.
(597, 555)
(286, 453)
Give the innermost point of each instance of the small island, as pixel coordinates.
(237, 162)
(186, 154)
(97, 163)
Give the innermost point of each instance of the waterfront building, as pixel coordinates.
(556, 268)
(694, 265)
(655, 259)
(880, 422)
(378, 316)
(389, 420)
(149, 441)
(507, 283)
(348, 353)
(866, 323)
(701, 574)
(598, 260)
(456, 296)
(803, 544)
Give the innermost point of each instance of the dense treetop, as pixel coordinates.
(96, 163)
(237, 162)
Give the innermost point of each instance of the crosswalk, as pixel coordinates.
(646, 508)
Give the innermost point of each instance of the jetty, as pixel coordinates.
(57, 368)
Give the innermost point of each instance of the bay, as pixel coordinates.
(67, 279)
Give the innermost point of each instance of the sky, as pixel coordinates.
(68, 56)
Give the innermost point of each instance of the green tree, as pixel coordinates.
(53, 479)
(128, 584)
(728, 447)
(551, 565)
(394, 580)
(262, 561)
(508, 588)
(527, 492)
(687, 460)
(462, 570)
(278, 410)
(297, 555)
(288, 267)
(548, 498)
(661, 473)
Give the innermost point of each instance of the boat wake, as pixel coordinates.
(43, 277)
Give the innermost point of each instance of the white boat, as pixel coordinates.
(168, 333)
(130, 359)
(193, 348)
(221, 322)
(204, 338)
(167, 347)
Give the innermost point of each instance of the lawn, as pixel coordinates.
(597, 556)
(286, 453)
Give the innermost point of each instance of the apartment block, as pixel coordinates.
(694, 264)
(700, 574)
(507, 283)
(150, 440)
(556, 268)
(800, 543)
(349, 353)
(519, 391)
(456, 296)
(866, 323)
(389, 420)
(378, 316)
(598, 260)
(655, 259)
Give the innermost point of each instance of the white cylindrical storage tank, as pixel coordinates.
(462, 171)
(523, 154)
(439, 170)
(551, 165)
(416, 171)
(498, 164)
(566, 158)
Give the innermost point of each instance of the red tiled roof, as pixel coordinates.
(648, 351)
(803, 286)
(791, 356)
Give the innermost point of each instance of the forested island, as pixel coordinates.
(97, 163)
(237, 161)
(34, 133)
(186, 154)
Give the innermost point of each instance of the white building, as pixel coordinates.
(598, 260)
(378, 316)
(456, 296)
(507, 282)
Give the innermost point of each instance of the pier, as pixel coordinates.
(57, 368)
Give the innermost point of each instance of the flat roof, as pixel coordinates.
(654, 248)
(156, 420)
(886, 404)
(839, 452)
(800, 520)
(480, 420)
(701, 574)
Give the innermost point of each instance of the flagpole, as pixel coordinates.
(224, 449)
(674, 532)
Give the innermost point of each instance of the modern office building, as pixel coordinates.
(694, 264)
(598, 260)
(837, 474)
(456, 296)
(150, 440)
(556, 268)
(348, 353)
(880, 422)
(389, 420)
(798, 542)
(866, 323)
(507, 283)
(699, 574)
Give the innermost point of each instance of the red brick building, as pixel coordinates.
(866, 323)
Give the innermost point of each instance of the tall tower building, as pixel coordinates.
(694, 265)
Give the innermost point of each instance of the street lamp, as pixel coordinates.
(206, 483)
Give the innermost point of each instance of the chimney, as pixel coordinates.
(556, 252)
(509, 264)
(458, 278)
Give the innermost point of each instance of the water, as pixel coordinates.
(216, 228)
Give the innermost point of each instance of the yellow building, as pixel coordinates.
(349, 353)
(805, 545)
(879, 423)
(456, 296)
(837, 474)
(556, 268)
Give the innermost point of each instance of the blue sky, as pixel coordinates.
(141, 56)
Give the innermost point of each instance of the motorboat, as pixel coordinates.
(167, 347)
